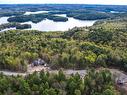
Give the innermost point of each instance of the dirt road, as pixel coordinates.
(116, 73)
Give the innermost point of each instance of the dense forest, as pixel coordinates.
(35, 18)
(44, 83)
(80, 14)
(14, 25)
(103, 44)
(78, 11)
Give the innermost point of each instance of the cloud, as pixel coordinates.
(116, 2)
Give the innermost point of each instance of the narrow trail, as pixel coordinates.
(116, 73)
(82, 73)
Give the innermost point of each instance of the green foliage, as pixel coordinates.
(96, 47)
(35, 18)
(96, 83)
(103, 44)
(90, 16)
(58, 18)
(14, 25)
(44, 83)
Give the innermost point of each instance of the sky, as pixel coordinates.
(112, 2)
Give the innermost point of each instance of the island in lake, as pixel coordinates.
(63, 49)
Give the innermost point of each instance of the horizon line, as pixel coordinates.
(59, 4)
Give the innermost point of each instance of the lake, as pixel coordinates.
(3, 20)
(49, 25)
(38, 12)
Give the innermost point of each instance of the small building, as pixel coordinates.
(120, 82)
(38, 62)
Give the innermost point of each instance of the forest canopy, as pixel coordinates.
(96, 46)
(44, 83)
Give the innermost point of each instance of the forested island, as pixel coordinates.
(14, 25)
(77, 11)
(36, 18)
(102, 45)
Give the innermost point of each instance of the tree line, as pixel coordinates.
(14, 25)
(44, 83)
(78, 48)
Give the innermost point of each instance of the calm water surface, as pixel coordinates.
(49, 25)
(3, 20)
(38, 12)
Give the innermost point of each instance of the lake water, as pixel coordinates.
(49, 25)
(38, 12)
(116, 12)
(3, 20)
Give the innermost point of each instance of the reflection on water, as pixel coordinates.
(38, 12)
(116, 12)
(49, 25)
(63, 15)
(3, 20)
